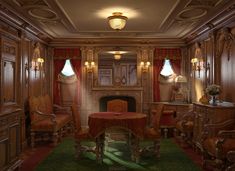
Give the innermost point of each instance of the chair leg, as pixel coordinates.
(165, 130)
(157, 148)
(32, 134)
(55, 138)
(78, 149)
(135, 149)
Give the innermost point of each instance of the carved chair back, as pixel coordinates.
(117, 105)
(156, 116)
(76, 117)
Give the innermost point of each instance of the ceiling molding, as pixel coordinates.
(13, 18)
(64, 18)
(117, 42)
(226, 15)
(58, 20)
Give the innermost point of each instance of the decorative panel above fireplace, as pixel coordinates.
(113, 72)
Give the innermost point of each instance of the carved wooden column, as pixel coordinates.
(87, 83)
(146, 56)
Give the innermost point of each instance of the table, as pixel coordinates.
(100, 121)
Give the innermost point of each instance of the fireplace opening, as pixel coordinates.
(130, 101)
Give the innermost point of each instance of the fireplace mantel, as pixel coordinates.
(99, 92)
(111, 88)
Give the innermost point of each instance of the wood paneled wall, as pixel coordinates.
(18, 80)
(227, 79)
(218, 49)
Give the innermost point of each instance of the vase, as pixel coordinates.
(213, 100)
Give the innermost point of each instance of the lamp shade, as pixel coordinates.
(117, 56)
(181, 79)
(117, 21)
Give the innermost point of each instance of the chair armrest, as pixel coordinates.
(231, 156)
(58, 108)
(226, 134)
(189, 115)
(44, 116)
(215, 128)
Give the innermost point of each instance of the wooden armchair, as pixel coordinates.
(219, 145)
(46, 123)
(116, 105)
(82, 134)
(153, 132)
(184, 126)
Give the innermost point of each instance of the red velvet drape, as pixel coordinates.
(58, 66)
(157, 67)
(174, 55)
(176, 66)
(76, 64)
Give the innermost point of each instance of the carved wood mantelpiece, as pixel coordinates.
(135, 92)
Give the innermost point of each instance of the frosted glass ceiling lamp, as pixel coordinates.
(117, 21)
(117, 55)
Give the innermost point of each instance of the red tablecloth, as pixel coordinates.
(135, 122)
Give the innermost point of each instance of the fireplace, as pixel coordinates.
(96, 100)
(130, 101)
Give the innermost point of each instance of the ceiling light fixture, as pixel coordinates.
(117, 21)
(117, 55)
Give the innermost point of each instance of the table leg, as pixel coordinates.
(100, 148)
(135, 149)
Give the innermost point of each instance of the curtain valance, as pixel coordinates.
(171, 53)
(67, 53)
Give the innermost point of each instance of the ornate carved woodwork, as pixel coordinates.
(208, 114)
(10, 134)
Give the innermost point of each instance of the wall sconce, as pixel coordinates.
(37, 60)
(89, 66)
(145, 66)
(197, 61)
(198, 65)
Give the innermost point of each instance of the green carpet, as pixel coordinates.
(117, 157)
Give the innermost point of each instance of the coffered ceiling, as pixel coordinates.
(88, 18)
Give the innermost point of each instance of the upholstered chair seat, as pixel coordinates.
(48, 125)
(151, 133)
(184, 126)
(210, 146)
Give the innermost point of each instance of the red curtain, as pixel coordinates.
(58, 66)
(160, 54)
(157, 67)
(67, 53)
(176, 66)
(76, 64)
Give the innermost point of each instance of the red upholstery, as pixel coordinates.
(47, 124)
(167, 118)
(151, 133)
(210, 146)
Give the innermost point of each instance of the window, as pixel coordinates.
(167, 69)
(67, 70)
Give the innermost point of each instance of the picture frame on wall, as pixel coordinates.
(105, 77)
